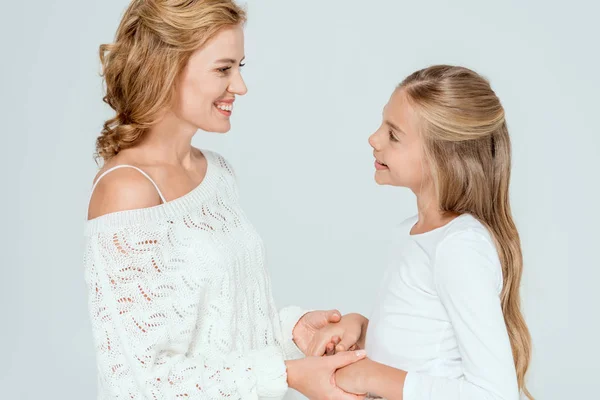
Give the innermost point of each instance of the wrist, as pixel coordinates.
(296, 330)
(384, 381)
(291, 368)
(366, 377)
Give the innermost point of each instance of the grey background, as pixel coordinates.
(319, 73)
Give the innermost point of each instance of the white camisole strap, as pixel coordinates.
(128, 166)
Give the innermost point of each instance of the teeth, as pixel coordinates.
(225, 107)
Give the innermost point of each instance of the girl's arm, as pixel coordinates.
(468, 280)
(368, 376)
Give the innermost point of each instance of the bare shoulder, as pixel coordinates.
(120, 190)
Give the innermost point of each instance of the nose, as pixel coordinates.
(237, 84)
(374, 141)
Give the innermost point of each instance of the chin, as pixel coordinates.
(222, 129)
(379, 180)
(216, 128)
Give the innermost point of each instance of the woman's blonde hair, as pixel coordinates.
(153, 43)
(468, 150)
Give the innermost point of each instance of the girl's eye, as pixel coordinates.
(392, 136)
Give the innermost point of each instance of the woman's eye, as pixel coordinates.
(224, 70)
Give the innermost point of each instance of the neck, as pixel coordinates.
(429, 213)
(427, 206)
(170, 141)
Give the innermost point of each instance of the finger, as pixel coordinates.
(346, 342)
(340, 347)
(330, 349)
(318, 346)
(336, 340)
(340, 360)
(333, 316)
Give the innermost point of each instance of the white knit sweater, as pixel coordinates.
(180, 300)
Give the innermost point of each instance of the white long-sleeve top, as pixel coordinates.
(438, 315)
(180, 300)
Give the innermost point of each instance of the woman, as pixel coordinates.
(180, 299)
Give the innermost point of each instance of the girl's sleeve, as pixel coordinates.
(468, 280)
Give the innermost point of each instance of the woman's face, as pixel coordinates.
(212, 78)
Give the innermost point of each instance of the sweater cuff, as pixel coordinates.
(289, 317)
(270, 372)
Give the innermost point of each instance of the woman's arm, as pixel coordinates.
(143, 319)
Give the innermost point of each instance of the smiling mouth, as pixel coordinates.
(224, 108)
(379, 162)
(379, 166)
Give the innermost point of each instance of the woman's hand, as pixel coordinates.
(314, 377)
(311, 323)
(348, 334)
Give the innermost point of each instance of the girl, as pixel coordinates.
(447, 323)
(180, 299)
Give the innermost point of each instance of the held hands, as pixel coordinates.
(310, 324)
(316, 377)
(348, 334)
(321, 333)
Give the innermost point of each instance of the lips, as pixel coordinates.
(379, 166)
(225, 107)
(378, 161)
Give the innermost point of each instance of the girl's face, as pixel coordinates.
(398, 146)
(210, 81)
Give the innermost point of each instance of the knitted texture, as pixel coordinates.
(180, 300)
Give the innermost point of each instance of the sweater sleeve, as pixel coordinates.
(144, 310)
(468, 280)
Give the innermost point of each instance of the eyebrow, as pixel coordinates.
(229, 60)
